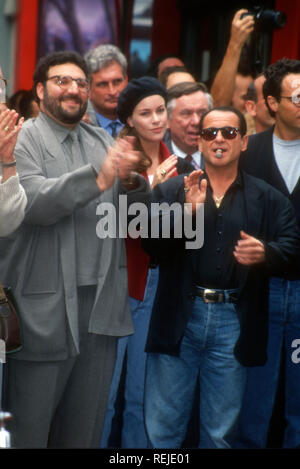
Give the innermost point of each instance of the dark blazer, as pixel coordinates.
(259, 161)
(270, 218)
(183, 166)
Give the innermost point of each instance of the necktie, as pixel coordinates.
(74, 149)
(189, 158)
(113, 126)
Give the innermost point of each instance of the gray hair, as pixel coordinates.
(184, 89)
(103, 56)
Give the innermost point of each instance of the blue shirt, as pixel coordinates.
(104, 122)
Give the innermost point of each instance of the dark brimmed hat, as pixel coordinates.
(136, 90)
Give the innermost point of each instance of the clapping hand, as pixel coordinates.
(165, 170)
(9, 131)
(121, 159)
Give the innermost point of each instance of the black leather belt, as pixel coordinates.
(216, 296)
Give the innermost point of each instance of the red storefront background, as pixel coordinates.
(286, 41)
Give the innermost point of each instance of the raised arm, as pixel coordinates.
(12, 196)
(223, 85)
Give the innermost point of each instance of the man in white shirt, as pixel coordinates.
(186, 104)
(108, 69)
(273, 155)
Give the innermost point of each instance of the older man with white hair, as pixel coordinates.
(187, 102)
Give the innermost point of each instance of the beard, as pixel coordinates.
(54, 107)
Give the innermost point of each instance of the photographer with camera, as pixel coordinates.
(229, 85)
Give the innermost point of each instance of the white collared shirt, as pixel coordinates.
(197, 156)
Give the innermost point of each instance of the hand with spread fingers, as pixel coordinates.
(165, 170)
(249, 250)
(195, 191)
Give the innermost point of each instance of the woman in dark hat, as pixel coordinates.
(142, 108)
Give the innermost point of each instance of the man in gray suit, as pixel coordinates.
(108, 68)
(185, 105)
(70, 285)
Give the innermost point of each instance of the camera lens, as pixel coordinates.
(271, 18)
(279, 19)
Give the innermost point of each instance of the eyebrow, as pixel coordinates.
(149, 109)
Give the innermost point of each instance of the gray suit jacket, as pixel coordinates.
(92, 114)
(39, 259)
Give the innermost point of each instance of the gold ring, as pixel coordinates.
(7, 129)
(163, 172)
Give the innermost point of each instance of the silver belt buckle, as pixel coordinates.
(205, 299)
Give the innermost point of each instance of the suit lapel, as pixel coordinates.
(254, 216)
(53, 149)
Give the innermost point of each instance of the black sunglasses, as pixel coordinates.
(228, 133)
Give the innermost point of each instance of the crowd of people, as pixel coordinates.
(129, 340)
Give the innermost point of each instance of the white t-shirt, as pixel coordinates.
(287, 157)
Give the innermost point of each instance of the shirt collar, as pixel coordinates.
(105, 122)
(181, 154)
(61, 131)
(238, 182)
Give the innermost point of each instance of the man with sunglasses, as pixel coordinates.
(71, 285)
(209, 320)
(274, 156)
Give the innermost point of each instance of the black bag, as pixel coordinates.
(10, 331)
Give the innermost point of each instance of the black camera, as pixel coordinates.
(267, 19)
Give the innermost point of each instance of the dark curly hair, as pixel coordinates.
(275, 74)
(56, 58)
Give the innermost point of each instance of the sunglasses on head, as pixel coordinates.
(227, 132)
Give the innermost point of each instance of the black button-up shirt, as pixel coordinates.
(214, 265)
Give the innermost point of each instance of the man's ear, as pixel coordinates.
(40, 91)
(244, 142)
(273, 103)
(250, 107)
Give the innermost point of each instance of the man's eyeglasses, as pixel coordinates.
(228, 133)
(64, 82)
(295, 99)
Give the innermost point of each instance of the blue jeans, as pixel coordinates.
(284, 328)
(206, 352)
(133, 434)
